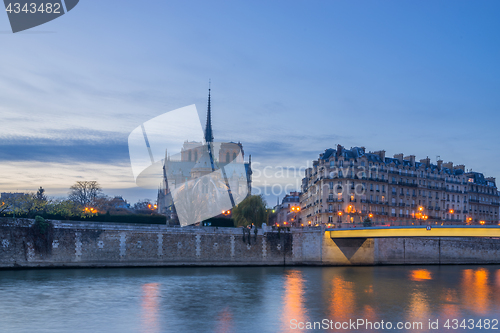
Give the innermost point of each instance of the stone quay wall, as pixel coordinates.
(87, 244)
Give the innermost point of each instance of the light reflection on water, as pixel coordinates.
(241, 299)
(150, 307)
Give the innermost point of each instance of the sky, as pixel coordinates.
(289, 79)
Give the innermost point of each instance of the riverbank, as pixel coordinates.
(91, 244)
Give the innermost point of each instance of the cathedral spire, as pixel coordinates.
(209, 137)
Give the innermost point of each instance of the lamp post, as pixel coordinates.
(420, 215)
(451, 211)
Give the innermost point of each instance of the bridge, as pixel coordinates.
(415, 231)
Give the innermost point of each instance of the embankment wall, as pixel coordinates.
(80, 244)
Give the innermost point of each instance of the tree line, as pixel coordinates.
(85, 200)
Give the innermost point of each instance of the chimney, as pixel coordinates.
(426, 161)
(339, 150)
(460, 166)
(399, 157)
(448, 165)
(410, 158)
(440, 164)
(363, 149)
(381, 154)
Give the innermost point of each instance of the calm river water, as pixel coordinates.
(243, 299)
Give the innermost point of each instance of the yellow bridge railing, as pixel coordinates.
(416, 231)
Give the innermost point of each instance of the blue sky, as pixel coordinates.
(289, 79)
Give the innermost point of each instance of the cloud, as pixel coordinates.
(97, 148)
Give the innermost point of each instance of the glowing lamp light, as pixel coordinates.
(482, 222)
(149, 206)
(452, 211)
(293, 209)
(223, 212)
(370, 215)
(420, 208)
(284, 223)
(298, 209)
(278, 225)
(340, 213)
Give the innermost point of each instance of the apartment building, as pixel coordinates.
(350, 185)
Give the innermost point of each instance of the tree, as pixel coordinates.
(85, 193)
(367, 222)
(28, 204)
(144, 207)
(64, 208)
(251, 210)
(40, 195)
(7, 205)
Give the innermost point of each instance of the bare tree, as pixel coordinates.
(85, 193)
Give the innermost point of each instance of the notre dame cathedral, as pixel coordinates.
(214, 171)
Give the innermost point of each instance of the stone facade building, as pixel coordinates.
(346, 186)
(288, 212)
(224, 162)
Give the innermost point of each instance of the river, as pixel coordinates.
(250, 299)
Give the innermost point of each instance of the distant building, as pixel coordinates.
(198, 159)
(6, 196)
(288, 212)
(349, 185)
(483, 198)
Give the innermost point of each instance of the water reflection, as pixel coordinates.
(450, 303)
(242, 299)
(342, 302)
(420, 275)
(225, 321)
(150, 307)
(293, 299)
(418, 307)
(476, 290)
